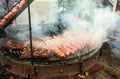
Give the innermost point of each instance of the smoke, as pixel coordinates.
(104, 22)
(88, 15)
(43, 16)
(115, 48)
(84, 15)
(98, 20)
(101, 22)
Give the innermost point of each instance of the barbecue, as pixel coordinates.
(60, 45)
(60, 56)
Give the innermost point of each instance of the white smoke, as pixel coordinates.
(97, 20)
(115, 48)
(86, 15)
(43, 13)
(104, 22)
(101, 22)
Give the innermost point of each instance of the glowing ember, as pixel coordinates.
(62, 45)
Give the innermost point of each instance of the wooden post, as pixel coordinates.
(115, 5)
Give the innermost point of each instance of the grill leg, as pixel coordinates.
(81, 66)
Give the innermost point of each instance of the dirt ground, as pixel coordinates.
(111, 65)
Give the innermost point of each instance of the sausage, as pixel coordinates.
(25, 54)
(6, 17)
(10, 14)
(10, 44)
(59, 53)
(14, 10)
(43, 52)
(22, 2)
(2, 22)
(17, 5)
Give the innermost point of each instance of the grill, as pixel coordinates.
(53, 59)
(55, 66)
(52, 62)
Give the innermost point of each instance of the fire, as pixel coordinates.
(62, 45)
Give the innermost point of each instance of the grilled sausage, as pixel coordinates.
(10, 14)
(59, 53)
(14, 10)
(17, 5)
(6, 17)
(2, 22)
(22, 2)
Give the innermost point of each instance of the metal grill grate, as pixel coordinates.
(12, 52)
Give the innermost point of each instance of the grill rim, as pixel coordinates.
(59, 61)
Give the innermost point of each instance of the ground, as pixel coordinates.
(111, 65)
